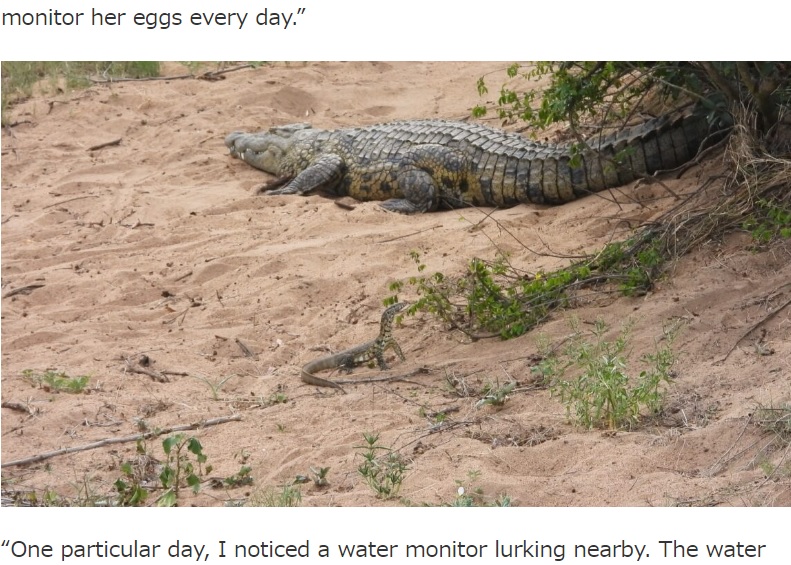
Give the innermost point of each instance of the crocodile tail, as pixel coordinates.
(613, 160)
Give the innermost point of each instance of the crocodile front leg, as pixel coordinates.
(325, 173)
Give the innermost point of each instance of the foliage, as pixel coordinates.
(613, 90)
(179, 471)
(57, 381)
(215, 385)
(600, 392)
(498, 300)
(241, 478)
(385, 473)
(496, 394)
(319, 476)
(775, 420)
(286, 496)
(495, 298)
(769, 221)
(185, 466)
(131, 487)
(469, 495)
(22, 79)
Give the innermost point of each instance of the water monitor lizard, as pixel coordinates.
(374, 349)
(423, 165)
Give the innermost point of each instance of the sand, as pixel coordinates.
(158, 246)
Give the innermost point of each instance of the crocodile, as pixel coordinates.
(424, 165)
(354, 356)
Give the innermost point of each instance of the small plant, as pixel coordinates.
(768, 222)
(277, 398)
(319, 476)
(286, 496)
(776, 420)
(494, 298)
(22, 79)
(240, 478)
(215, 385)
(136, 473)
(48, 498)
(130, 491)
(469, 495)
(384, 474)
(496, 394)
(57, 381)
(602, 393)
(179, 470)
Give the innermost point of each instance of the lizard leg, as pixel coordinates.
(323, 174)
(397, 349)
(380, 353)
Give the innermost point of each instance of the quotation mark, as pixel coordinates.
(301, 11)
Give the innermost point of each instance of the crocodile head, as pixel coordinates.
(265, 150)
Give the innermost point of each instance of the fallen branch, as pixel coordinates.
(409, 234)
(753, 328)
(137, 368)
(69, 200)
(19, 407)
(137, 224)
(22, 290)
(105, 144)
(124, 439)
(245, 350)
(18, 123)
(721, 462)
(209, 75)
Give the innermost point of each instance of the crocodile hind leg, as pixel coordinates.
(419, 191)
(433, 174)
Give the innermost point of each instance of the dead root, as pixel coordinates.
(758, 173)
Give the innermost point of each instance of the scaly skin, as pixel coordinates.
(423, 165)
(349, 358)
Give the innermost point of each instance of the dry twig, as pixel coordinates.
(105, 144)
(27, 289)
(124, 439)
(137, 368)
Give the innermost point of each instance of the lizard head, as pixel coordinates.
(265, 150)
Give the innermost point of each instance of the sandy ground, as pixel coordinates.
(158, 246)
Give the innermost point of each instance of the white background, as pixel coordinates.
(410, 30)
(417, 30)
(332, 526)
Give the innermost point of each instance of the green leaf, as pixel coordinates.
(168, 499)
(139, 496)
(194, 446)
(166, 477)
(194, 482)
(169, 443)
(481, 85)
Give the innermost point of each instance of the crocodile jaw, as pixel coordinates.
(265, 150)
(261, 150)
